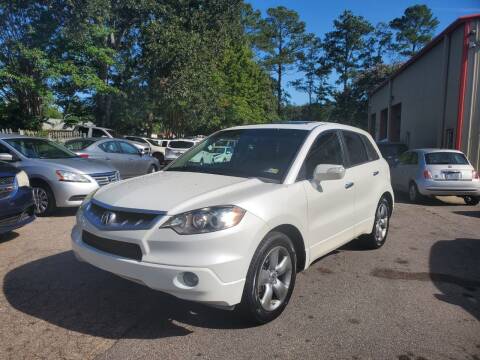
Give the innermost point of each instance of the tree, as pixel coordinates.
(281, 37)
(414, 29)
(346, 46)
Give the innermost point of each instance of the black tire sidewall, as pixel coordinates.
(417, 196)
(250, 302)
(471, 200)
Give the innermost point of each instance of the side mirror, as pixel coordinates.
(6, 157)
(141, 152)
(326, 172)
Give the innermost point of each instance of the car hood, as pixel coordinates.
(175, 192)
(80, 165)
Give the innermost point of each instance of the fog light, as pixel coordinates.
(190, 279)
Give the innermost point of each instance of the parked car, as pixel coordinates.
(238, 231)
(59, 177)
(16, 199)
(119, 153)
(436, 172)
(177, 148)
(155, 147)
(214, 154)
(391, 151)
(94, 131)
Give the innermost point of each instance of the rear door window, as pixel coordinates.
(444, 158)
(356, 150)
(110, 147)
(128, 148)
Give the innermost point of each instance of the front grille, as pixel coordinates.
(115, 247)
(105, 178)
(7, 185)
(119, 219)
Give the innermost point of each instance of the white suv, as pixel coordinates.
(238, 231)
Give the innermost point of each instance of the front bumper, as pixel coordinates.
(449, 188)
(17, 210)
(219, 259)
(71, 194)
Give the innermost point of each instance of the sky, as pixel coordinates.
(319, 15)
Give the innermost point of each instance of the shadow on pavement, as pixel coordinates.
(475, 214)
(455, 271)
(62, 212)
(79, 297)
(402, 198)
(8, 236)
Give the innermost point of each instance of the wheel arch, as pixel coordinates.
(298, 242)
(391, 202)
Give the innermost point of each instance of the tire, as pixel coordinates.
(471, 200)
(152, 169)
(159, 157)
(268, 287)
(413, 195)
(378, 236)
(43, 199)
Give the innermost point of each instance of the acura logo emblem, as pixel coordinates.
(108, 217)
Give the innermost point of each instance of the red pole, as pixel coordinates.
(463, 86)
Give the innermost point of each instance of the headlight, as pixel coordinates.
(69, 176)
(205, 220)
(22, 179)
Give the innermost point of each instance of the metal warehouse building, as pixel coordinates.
(433, 100)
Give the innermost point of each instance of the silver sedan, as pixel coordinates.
(436, 172)
(59, 177)
(119, 153)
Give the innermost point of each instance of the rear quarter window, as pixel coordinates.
(356, 150)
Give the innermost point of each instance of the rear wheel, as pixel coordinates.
(471, 200)
(43, 199)
(270, 279)
(379, 233)
(413, 195)
(152, 169)
(159, 157)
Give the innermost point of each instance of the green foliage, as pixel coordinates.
(281, 37)
(414, 29)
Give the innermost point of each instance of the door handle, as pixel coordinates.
(108, 158)
(349, 185)
(375, 173)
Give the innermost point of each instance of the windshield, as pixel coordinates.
(180, 144)
(40, 149)
(262, 153)
(444, 158)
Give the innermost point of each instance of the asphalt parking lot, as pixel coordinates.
(416, 298)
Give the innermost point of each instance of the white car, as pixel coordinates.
(213, 154)
(436, 172)
(237, 232)
(178, 147)
(154, 145)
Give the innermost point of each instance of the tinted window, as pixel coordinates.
(110, 147)
(128, 148)
(263, 153)
(165, 143)
(98, 133)
(180, 144)
(392, 150)
(444, 158)
(355, 148)
(79, 144)
(371, 152)
(325, 150)
(83, 130)
(4, 149)
(414, 159)
(404, 159)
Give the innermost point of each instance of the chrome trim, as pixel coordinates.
(97, 221)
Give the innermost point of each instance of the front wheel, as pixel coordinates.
(270, 279)
(379, 233)
(471, 200)
(43, 199)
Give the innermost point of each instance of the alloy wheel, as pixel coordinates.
(273, 278)
(40, 198)
(381, 222)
